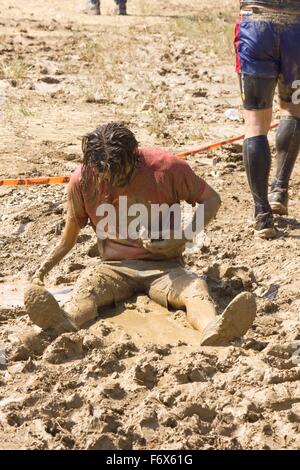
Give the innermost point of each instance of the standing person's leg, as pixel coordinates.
(181, 288)
(96, 287)
(122, 7)
(92, 7)
(288, 134)
(287, 146)
(257, 65)
(257, 161)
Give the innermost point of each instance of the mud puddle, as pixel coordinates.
(157, 325)
(12, 294)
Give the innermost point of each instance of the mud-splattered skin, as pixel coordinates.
(288, 5)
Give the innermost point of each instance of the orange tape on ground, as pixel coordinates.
(215, 145)
(31, 181)
(66, 179)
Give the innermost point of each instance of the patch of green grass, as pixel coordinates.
(223, 45)
(146, 8)
(25, 111)
(14, 70)
(189, 26)
(104, 65)
(92, 51)
(96, 89)
(16, 114)
(213, 33)
(158, 122)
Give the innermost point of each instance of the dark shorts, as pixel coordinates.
(267, 53)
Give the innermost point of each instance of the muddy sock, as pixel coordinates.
(288, 146)
(257, 161)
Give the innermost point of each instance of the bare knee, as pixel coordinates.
(257, 122)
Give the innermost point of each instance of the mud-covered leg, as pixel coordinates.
(190, 292)
(44, 310)
(93, 289)
(195, 298)
(234, 322)
(96, 287)
(182, 289)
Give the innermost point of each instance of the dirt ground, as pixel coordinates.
(137, 378)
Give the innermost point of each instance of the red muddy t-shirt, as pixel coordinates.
(159, 178)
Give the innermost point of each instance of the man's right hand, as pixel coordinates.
(66, 243)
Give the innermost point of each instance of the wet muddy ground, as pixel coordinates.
(137, 378)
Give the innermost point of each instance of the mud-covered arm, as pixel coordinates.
(76, 219)
(65, 244)
(211, 202)
(194, 190)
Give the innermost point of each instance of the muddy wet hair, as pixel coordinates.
(111, 150)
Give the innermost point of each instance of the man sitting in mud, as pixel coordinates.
(114, 168)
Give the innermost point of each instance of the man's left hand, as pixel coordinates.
(169, 248)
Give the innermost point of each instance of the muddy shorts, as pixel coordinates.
(267, 53)
(111, 282)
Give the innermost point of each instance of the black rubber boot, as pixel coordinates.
(288, 146)
(264, 226)
(279, 200)
(257, 161)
